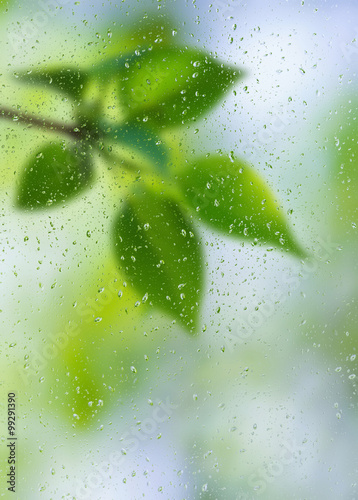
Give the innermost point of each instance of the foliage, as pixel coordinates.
(124, 103)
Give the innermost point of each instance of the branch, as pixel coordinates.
(51, 126)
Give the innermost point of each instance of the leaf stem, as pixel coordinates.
(49, 125)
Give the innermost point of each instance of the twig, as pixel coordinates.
(51, 126)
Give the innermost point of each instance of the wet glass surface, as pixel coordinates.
(179, 231)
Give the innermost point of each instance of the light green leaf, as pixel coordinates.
(157, 250)
(344, 171)
(53, 176)
(71, 81)
(234, 199)
(6, 4)
(171, 86)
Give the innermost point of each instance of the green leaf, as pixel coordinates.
(4, 4)
(234, 199)
(138, 139)
(53, 176)
(344, 168)
(171, 86)
(160, 255)
(68, 80)
(141, 33)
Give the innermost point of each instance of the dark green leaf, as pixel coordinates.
(170, 86)
(234, 199)
(139, 139)
(53, 176)
(161, 256)
(71, 81)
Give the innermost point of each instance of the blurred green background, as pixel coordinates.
(116, 401)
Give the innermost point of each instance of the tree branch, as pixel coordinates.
(51, 126)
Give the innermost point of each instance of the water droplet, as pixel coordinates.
(98, 319)
(133, 369)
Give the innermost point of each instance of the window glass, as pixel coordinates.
(179, 232)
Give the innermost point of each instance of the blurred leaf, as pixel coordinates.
(100, 97)
(235, 200)
(68, 80)
(159, 253)
(170, 86)
(4, 4)
(54, 175)
(344, 174)
(143, 32)
(139, 139)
